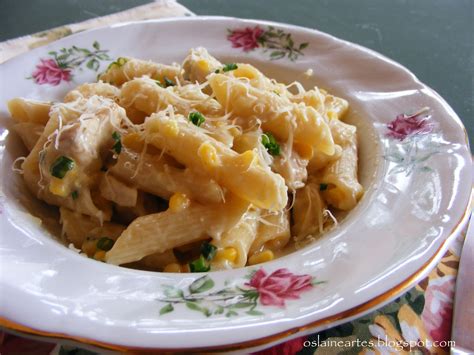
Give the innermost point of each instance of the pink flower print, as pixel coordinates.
(247, 38)
(406, 125)
(279, 286)
(49, 72)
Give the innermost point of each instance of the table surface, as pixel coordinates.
(433, 38)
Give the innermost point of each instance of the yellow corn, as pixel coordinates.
(262, 257)
(203, 65)
(178, 202)
(89, 247)
(57, 187)
(228, 253)
(208, 155)
(99, 255)
(173, 267)
(171, 129)
(332, 115)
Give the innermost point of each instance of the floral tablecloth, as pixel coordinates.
(421, 318)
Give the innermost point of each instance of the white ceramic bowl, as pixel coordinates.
(416, 171)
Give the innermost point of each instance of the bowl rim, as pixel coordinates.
(319, 324)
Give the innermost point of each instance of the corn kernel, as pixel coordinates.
(58, 187)
(228, 253)
(171, 129)
(208, 155)
(203, 65)
(134, 141)
(173, 267)
(262, 257)
(178, 202)
(89, 247)
(99, 255)
(332, 115)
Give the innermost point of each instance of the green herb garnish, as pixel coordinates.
(75, 194)
(216, 71)
(199, 265)
(61, 166)
(270, 143)
(120, 61)
(105, 243)
(168, 82)
(159, 84)
(323, 187)
(196, 118)
(117, 147)
(208, 251)
(229, 67)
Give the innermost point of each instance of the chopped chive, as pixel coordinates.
(105, 243)
(117, 147)
(216, 71)
(270, 143)
(168, 82)
(199, 265)
(323, 187)
(61, 166)
(196, 118)
(208, 251)
(120, 61)
(229, 67)
(75, 194)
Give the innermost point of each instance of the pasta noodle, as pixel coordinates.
(193, 167)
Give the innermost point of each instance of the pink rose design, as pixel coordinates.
(405, 125)
(279, 286)
(49, 72)
(246, 38)
(438, 311)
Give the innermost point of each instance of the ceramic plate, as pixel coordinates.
(414, 164)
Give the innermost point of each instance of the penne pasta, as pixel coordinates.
(303, 124)
(126, 69)
(29, 133)
(159, 232)
(192, 167)
(239, 238)
(273, 232)
(26, 110)
(237, 172)
(343, 189)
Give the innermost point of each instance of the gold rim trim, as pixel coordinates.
(398, 289)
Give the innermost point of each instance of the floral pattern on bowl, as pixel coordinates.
(412, 142)
(279, 43)
(61, 64)
(260, 289)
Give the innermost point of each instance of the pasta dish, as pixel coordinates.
(189, 168)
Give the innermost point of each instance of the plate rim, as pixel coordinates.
(329, 321)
